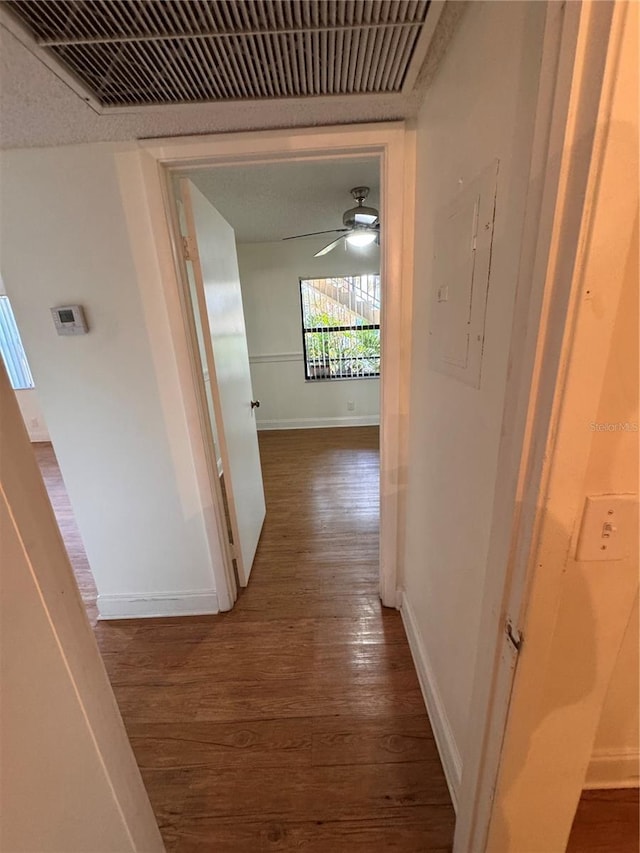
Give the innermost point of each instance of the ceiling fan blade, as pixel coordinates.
(316, 233)
(330, 246)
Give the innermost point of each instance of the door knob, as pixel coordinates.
(255, 404)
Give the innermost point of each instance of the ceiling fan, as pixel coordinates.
(362, 225)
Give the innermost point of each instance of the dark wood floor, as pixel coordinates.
(295, 722)
(607, 822)
(66, 522)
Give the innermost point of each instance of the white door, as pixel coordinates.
(212, 251)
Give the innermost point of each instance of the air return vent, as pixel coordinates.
(144, 52)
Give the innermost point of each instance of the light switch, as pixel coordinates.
(609, 527)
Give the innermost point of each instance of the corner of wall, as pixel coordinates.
(32, 415)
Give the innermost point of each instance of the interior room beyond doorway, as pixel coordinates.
(265, 203)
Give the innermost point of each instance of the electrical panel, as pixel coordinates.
(463, 239)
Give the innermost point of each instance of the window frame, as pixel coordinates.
(338, 328)
(12, 351)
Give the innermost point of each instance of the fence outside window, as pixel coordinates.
(341, 327)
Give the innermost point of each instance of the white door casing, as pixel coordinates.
(151, 165)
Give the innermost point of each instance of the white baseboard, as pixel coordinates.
(613, 768)
(130, 606)
(319, 423)
(447, 747)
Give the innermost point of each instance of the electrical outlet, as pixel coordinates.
(351, 406)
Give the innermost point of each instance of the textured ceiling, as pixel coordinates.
(127, 52)
(38, 109)
(268, 202)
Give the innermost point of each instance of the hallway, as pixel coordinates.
(296, 721)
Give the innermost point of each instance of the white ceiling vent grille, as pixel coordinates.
(130, 53)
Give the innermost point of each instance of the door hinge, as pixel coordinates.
(514, 636)
(188, 249)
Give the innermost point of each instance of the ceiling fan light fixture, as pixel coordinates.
(361, 226)
(361, 238)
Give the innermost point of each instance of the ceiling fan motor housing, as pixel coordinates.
(360, 215)
(362, 225)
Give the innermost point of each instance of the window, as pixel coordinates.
(12, 350)
(341, 326)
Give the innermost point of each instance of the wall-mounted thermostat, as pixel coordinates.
(70, 320)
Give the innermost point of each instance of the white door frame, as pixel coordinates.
(387, 142)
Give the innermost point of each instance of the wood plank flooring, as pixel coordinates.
(295, 722)
(607, 822)
(66, 522)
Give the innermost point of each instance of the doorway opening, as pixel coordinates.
(284, 315)
(160, 246)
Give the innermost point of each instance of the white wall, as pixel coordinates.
(614, 463)
(480, 107)
(616, 753)
(269, 274)
(69, 779)
(111, 398)
(32, 414)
